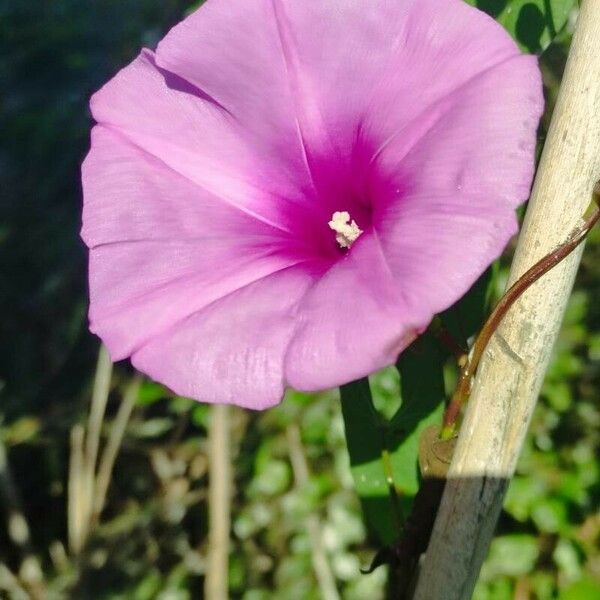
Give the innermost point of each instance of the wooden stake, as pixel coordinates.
(512, 370)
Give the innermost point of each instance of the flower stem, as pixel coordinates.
(539, 269)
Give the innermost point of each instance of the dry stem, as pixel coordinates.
(216, 582)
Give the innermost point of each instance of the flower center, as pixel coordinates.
(347, 231)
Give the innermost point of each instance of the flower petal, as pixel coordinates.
(348, 79)
(231, 352)
(198, 138)
(161, 248)
(445, 209)
(352, 322)
(438, 246)
(131, 195)
(479, 139)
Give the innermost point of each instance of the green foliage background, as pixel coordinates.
(151, 539)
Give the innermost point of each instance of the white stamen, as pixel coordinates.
(347, 231)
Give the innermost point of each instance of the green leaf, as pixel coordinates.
(512, 555)
(274, 478)
(385, 388)
(422, 388)
(21, 431)
(523, 493)
(567, 559)
(365, 437)
(584, 589)
(151, 428)
(150, 392)
(550, 515)
(383, 455)
(532, 23)
(201, 415)
(181, 405)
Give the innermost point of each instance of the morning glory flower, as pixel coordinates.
(287, 191)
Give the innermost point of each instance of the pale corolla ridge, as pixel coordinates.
(287, 191)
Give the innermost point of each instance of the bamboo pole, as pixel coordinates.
(512, 370)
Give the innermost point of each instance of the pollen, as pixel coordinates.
(347, 231)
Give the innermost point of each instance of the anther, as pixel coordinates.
(347, 231)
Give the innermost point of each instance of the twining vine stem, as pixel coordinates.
(463, 388)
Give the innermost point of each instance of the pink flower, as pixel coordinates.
(287, 191)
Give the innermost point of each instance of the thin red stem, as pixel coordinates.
(540, 268)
